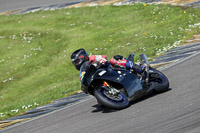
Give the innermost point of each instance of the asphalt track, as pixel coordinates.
(175, 111)
(6, 5)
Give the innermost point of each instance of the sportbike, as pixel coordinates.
(115, 88)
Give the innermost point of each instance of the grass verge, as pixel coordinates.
(35, 48)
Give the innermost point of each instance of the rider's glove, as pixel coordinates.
(134, 67)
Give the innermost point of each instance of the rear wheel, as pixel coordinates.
(117, 101)
(159, 80)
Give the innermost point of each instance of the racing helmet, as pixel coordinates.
(78, 57)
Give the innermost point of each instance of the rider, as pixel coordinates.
(79, 56)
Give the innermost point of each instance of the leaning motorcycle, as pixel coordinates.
(115, 88)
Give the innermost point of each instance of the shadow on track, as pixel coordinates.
(103, 109)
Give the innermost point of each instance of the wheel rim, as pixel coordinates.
(117, 97)
(117, 102)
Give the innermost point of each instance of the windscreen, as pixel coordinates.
(144, 59)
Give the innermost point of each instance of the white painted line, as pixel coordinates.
(37, 117)
(180, 61)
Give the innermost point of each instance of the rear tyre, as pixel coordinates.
(159, 81)
(115, 102)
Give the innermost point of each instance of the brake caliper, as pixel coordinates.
(111, 90)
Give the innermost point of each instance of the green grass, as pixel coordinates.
(35, 48)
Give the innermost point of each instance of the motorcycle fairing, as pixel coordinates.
(128, 80)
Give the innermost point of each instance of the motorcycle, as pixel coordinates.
(115, 88)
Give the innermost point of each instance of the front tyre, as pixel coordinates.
(118, 101)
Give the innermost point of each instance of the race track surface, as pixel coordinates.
(6, 5)
(175, 111)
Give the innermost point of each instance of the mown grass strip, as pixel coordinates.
(35, 48)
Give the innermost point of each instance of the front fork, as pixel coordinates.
(147, 73)
(110, 89)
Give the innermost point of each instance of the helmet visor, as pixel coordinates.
(79, 60)
(76, 62)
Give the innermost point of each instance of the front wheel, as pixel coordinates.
(118, 101)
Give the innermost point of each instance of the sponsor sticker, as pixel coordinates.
(82, 75)
(102, 73)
